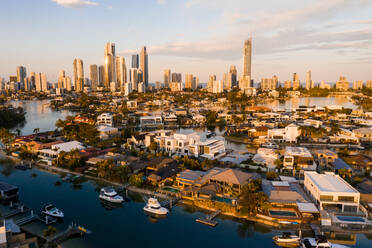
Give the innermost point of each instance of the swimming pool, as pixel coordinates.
(282, 213)
(171, 189)
(350, 218)
(222, 199)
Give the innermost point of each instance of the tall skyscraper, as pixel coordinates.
(269, 83)
(121, 71)
(62, 75)
(101, 75)
(93, 76)
(245, 80)
(167, 77)
(133, 77)
(135, 61)
(288, 84)
(176, 77)
(144, 66)
(110, 68)
(342, 84)
(357, 85)
(41, 82)
(67, 83)
(247, 58)
(32, 80)
(211, 79)
(308, 80)
(296, 81)
(189, 81)
(234, 75)
(21, 74)
(78, 75)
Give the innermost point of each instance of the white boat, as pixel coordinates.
(287, 237)
(154, 207)
(319, 242)
(110, 195)
(51, 210)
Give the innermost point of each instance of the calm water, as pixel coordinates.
(129, 225)
(311, 101)
(39, 115)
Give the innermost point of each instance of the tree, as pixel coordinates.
(36, 131)
(6, 137)
(136, 179)
(153, 146)
(51, 230)
(270, 175)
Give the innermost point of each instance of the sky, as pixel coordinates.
(202, 37)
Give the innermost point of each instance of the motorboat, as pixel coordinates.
(319, 242)
(153, 206)
(110, 195)
(287, 237)
(52, 211)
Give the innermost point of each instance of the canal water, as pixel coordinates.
(130, 226)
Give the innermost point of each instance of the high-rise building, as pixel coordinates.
(175, 86)
(211, 79)
(189, 81)
(245, 80)
(135, 61)
(144, 66)
(195, 83)
(121, 71)
(21, 74)
(41, 82)
(78, 75)
(67, 83)
(324, 85)
(176, 77)
(269, 83)
(167, 77)
(342, 84)
(93, 77)
(296, 81)
(288, 84)
(369, 83)
(61, 76)
(234, 75)
(247, 58)
(357, 85)
(110, 59)
(133, 77)
(127, 88)
(101, 75)
(228, 80)
(309, 82)
(32, 80)
(217, 86)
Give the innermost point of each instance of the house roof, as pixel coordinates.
(284, 196)
(233, 176)
(307, 207)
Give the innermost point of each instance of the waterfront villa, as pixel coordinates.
(221, 181)
(266, 157)
(50, 154)
(287, 134)
(330, 191)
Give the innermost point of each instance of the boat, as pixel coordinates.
(52, 211)
(270, 145)
(319, 242)
(287, 237)
(110, 195)
(154, 207)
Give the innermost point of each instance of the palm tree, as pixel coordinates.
(18, 131)
(36, 131)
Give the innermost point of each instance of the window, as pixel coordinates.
(346, 198)
(326, 198)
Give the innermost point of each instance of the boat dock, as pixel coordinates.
(208, 220)
(71, 231)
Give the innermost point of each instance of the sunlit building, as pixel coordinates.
(110, 68)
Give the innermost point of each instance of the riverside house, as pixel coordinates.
(214, 182)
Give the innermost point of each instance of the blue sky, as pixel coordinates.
(202, 37)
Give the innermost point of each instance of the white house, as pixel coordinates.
(287, 134)
(106, 132)
(266, 157)
(51, 154)
(105, 119)
(330, 191)
(151, 121)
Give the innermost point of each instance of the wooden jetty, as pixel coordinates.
(19, 209)
(208, 220)
(71, 231)
(47, 220)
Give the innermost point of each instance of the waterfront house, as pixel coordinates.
(266, 157)
(106, 132)
(364, 134)
(330, 191)
(105, 119)
(151, 121)
(48, 155)
(325, 157)
(287, 134)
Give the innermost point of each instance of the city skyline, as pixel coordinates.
(335, 44)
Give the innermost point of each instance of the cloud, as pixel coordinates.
(75, 3)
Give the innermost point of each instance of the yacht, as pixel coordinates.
(110, 195)
(154, 207)
(287, 238)
(319, 242)
(51, 210)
